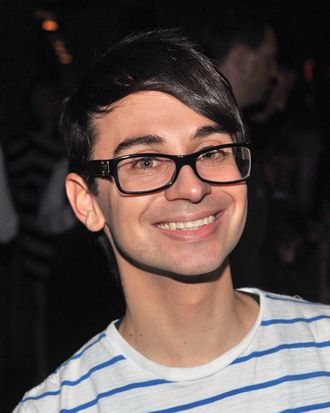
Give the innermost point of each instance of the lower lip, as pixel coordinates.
(193, 235)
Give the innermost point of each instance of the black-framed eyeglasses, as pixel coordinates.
(144, 173)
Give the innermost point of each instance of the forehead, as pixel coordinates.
(146, 113)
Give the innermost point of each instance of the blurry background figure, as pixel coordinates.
(30, 157)
(8, 233)
(277, 100)
(55, 215)
(296, 160)
(286, 233)
(244, 47)
(8, 215)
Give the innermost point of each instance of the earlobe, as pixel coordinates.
(84, 203)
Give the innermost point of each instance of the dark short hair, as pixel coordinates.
(231, 27)
(161, 60)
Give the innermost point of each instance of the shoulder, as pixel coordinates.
(73, 380)
(295, 315)
(284, 304)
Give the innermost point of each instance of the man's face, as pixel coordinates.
(147, 229)
(263, 68)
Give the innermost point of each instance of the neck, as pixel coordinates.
(181, 324)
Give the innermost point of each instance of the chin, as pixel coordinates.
(199, 275)
(186, 266)
(191, 271)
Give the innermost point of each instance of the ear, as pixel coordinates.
(84, 203)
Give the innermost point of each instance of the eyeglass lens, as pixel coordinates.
(146, 173)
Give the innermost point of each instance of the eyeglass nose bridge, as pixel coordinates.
(183, 160)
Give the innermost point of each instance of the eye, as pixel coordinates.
(216, 155)
(144, 163)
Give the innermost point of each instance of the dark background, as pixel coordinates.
(89, 26)
(80, 297)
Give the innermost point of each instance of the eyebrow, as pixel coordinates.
(138, 140)
(208, 130)
(151, 140)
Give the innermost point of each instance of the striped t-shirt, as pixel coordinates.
(281, 365)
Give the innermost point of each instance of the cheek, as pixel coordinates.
(239, 194)
(118, 223)
(241, 203)
(240, 214)
(236, 196)
(125, 214)
(109, 202)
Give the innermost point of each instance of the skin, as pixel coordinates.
(263, 67)
(250, 71)
(181, 306)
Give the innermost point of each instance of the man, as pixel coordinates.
(159, 162)
(244, 47)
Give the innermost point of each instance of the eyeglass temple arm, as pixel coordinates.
(94, 168)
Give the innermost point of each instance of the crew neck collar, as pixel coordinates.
(186, 373)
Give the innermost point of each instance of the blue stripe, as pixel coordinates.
(41, 396)
(92, 370)
(293, 300)
(309, 408)
(256, 354)
(245, 389)
(78, 355)
(75, 382)
(112, 392)
(294, 320)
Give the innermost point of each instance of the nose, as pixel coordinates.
(187, 186)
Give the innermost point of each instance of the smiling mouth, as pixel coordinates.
(187, 225)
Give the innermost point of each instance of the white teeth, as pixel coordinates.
(187, 225)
